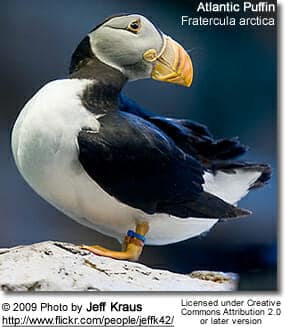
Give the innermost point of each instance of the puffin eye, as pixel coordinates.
(135, 26)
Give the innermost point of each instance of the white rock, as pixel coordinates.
(55, 266)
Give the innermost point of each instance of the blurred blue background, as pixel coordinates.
(234, 92)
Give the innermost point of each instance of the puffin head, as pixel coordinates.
(131, 44)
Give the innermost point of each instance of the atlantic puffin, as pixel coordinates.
(113, 166)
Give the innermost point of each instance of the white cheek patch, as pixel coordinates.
(123, 50)
(96, 51)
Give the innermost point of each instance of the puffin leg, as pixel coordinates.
(132, 246)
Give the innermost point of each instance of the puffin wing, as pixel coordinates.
(138, 164)
(192, 137)
(228, 179)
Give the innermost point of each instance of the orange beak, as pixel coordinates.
(172, 64)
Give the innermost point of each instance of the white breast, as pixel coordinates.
(44, 144)
(47, 129)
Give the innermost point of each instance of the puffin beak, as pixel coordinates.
(172, 64)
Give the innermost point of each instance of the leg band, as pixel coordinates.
(133, 234)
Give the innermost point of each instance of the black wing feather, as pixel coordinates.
(192, 137)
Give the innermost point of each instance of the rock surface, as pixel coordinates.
(55, 266)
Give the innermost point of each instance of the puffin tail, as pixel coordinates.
(231, 181)
(224, 186)
(206, 205)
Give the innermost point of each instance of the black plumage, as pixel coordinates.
(81, 55)
(195, 139)
(139, 164)
(190, 136)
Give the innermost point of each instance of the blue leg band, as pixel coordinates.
(132, 234)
